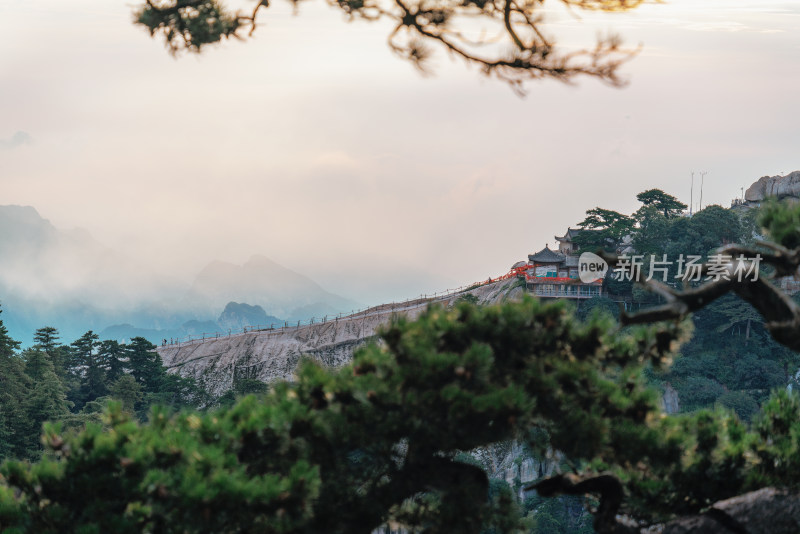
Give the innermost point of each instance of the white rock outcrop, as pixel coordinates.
(780, 187)
(269, 355)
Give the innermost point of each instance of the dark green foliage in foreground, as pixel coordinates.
(188, 24)
(383, 439)
(605, 305)
(344, 451)
(781, 223)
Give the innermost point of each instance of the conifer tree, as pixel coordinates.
(12, 386)
(44, 400)
(127, 391)
(737, 315)
(113, 359)
(85, 365)
(603, 229)
(47, 340)
(667, 204)
(144, 364)
(7, 345)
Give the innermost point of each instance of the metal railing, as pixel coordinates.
(410, 303)
(565, 294)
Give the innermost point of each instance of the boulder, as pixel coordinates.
(774, 186)
(766, 511)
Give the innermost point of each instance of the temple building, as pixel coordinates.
(565, 245)
(554, 274)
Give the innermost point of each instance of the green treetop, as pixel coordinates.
(603, 229)
(46, 339)
(86, 366)
(114, 358)
(127, 391)
(667, 204)
(145, 364)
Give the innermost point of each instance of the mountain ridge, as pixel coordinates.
(69, 280)
(269, 355)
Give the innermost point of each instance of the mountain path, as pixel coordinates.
(269, 355)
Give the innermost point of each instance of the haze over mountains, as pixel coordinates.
(67, 279)
(280, 291)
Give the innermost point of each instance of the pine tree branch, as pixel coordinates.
(608, 487)
(193, 24)
(780, 312)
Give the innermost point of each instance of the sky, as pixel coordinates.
(313, 145)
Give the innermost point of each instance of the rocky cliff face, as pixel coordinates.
(237, 315)
(269, 355)
(670, 402)
(774, 186)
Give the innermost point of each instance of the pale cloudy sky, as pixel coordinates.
(315, 146)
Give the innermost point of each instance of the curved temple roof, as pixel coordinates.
(571, 232)
(546, 256)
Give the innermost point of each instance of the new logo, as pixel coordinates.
(591, 267)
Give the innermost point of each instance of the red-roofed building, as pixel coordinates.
(554, 274)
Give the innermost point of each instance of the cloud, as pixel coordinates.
(18, 139)
(334, 160)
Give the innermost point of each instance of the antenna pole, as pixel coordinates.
(702, 180)
(691, 195)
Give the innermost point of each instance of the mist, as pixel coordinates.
(313, 146)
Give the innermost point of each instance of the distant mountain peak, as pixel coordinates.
(69, 280)
(260, 259)
(277, 289)
(28, 212)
